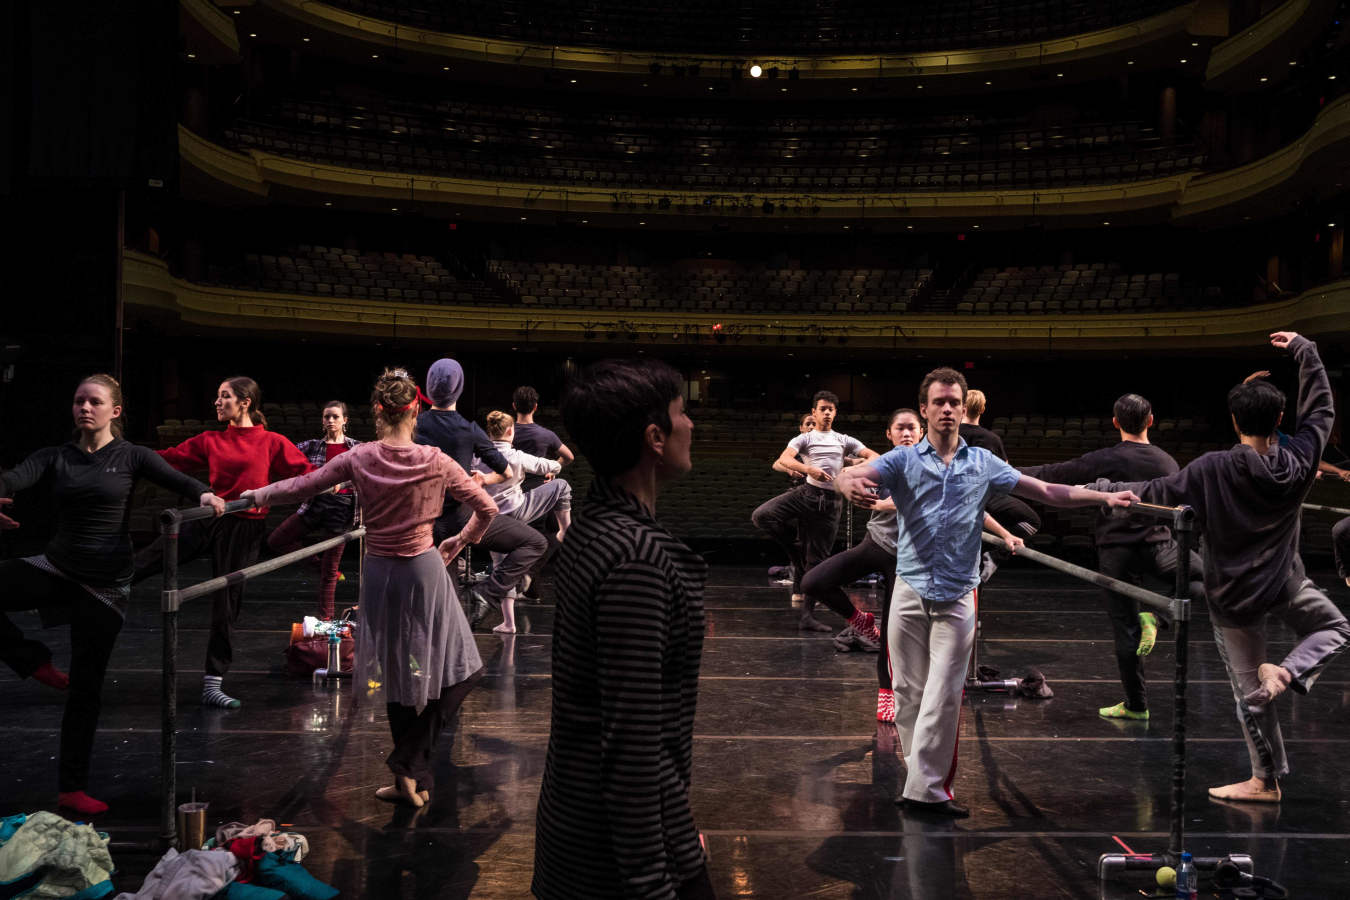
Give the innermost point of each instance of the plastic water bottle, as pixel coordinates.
(1188, 885)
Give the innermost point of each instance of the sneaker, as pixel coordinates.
(851, 638)
(1120, 711)
(885, 705)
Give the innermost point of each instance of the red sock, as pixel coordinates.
(51, 676)
(81, 803)
(866, 623)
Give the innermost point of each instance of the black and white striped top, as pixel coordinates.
(614, 818)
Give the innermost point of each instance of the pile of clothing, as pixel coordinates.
(45, 856)
(242, 862)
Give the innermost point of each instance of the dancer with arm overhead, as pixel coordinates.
(242, 456)
(413, 637)
(1248, 506)
(329, 514)
(83, 577)
(805, 519)
(940, 487)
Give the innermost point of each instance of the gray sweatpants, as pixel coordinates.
(1322, 632)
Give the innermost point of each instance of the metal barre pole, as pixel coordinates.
(212, 585)
(171, 600)
(1334, 510)
(192, 513)
(168, 725)
(1148, 598)
(1181, 618)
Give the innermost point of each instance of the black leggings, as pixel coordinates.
(93, 631)
(415, 734)
(825, 584)
(1014, 515)
(804, 521)
(234, 543)
(1152, 566)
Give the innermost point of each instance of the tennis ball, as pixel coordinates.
(1167, 877)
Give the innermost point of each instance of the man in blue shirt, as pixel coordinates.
(940, 487)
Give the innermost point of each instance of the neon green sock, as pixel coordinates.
(1119, 711)
(1148, 633)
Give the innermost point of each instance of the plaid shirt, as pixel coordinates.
(316, 451)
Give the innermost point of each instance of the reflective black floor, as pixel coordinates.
(794, 779)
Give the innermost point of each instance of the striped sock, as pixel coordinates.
(866, 623)
(212, 695)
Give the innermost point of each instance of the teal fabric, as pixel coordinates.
(9, 825)
(292, 878)
(237, 890)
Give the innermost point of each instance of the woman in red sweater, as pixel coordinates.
(244, 455)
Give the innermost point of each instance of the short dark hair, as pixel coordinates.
(525, 399)
(1256, 407)
(944, 375)
(1132, 412)
(609, 405)
(827, 396)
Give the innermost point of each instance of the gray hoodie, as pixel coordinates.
(1248, 505)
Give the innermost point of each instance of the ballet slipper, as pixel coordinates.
(505, 629)
(1253, 790)
(401, 791)
(1274, 682)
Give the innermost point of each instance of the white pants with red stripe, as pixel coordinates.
(930, 647)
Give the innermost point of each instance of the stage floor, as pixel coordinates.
(794, 779)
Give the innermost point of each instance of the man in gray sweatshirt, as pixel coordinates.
(1248, 502)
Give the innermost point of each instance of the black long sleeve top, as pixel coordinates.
(461, 440)
(1126, 461)
(92, 493)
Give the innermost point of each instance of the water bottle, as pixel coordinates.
(1188, 885)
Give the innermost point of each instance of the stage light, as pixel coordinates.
(1129, 62)
(192, 56)
(574, 81)
(756, 71)
(306, 40)
(1183, 62)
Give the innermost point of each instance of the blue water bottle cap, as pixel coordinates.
(1185, 857)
